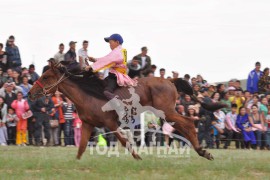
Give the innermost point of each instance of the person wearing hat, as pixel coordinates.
(47, 67)
(116, 62)
(253, 78)
(204, 126)
(145, 61)
(71, 59)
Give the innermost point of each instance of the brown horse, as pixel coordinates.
(86, 94)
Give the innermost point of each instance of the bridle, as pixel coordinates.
(45, 90)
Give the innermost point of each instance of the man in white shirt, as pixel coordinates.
(145, 61)
(83, 55)
(59, 56)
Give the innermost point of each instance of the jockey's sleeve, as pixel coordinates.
(108, 61)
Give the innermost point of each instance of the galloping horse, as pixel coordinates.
(87, 95)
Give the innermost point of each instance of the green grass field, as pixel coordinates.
(60, 163)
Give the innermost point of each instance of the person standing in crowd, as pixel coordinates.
(71, 58)
(9, 91)
(31, 124)
(42, 108)
(253, 78)
(12, 120)
(71, 55)
(219, 126)
(187, 101)
(221, 88)
(242, 122)
(211, 89)
(25, 87)
(60, 56)
(3, 58)
(3, 120)
(33, 74)
(152, 123)
(201, 81)
(205, 123)
(192, 113)
(162, 72)
(187, 78)
(83, 55)
(13, 54)
(237, 85)
(153, 69)
(16, 77)
(47, 67)
(21, 106)
(230, 128)
(69, 109)
(256, 120)
(144, 61)
(167, 130)
(175, 74)
(237, 99)
(77, 124)
(225, 100)
(134, 68)
(263, 107)
(196, 89)
(3, 78)
(264, 82)
(58, 104)
(254, 100)
(215, 97)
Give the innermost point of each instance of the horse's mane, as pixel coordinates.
(90, 84)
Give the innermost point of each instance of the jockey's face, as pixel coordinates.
(114, 44)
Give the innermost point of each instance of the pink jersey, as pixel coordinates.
(116, 60)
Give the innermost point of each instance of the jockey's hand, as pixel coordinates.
(92, 59)
(87, 68)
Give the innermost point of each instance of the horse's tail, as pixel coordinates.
(183, 86)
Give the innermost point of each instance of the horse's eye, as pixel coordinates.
(45, 77)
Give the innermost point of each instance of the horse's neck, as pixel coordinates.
(73, 92)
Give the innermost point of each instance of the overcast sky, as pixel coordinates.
(220, 39)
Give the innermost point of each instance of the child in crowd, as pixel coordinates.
(12, 120)
(77, 124)
(21, 106)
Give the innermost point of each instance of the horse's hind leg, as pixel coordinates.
(86, 133)
(187, 128)
(115, 129)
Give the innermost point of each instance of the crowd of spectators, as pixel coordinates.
(53, 121)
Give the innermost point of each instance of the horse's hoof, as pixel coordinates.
(208, 156)
(137, 157)
(78, 158)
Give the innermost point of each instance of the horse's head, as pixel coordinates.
(48, 83)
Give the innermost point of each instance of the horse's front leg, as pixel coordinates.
(87, 129)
